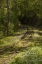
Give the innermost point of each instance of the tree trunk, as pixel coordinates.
(8, 18)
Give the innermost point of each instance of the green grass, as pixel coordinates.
(31, 56)
(33, 53)
(14, 50)
(8, 41)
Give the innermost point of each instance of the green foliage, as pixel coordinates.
(24, 11)
(31, 56)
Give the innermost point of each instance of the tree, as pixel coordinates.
(8, 14)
